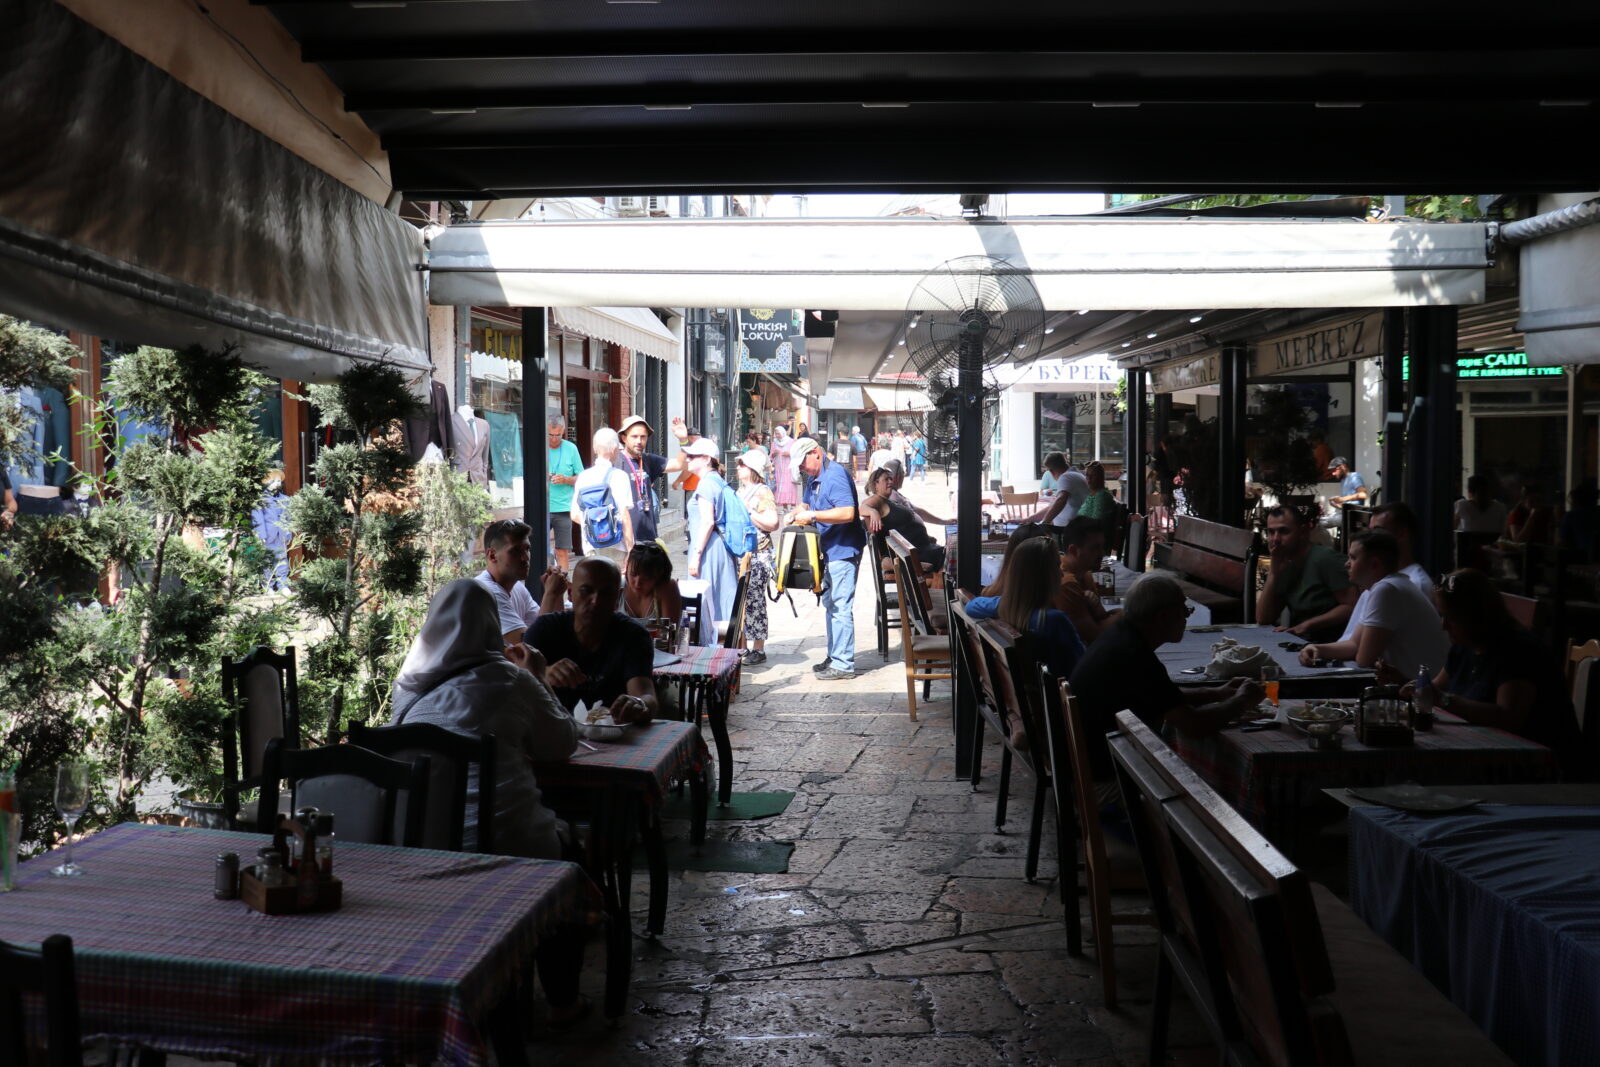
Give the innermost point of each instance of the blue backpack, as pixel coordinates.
(738, 532)
(601, 526)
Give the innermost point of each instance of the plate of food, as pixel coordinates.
(596, 723)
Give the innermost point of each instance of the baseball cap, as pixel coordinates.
(632, 420)
(756, 459)
(1338, 461)
(803, 447)
(702, 446)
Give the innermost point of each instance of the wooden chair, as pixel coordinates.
(1581, 664)
(361, 787)
(262, 691)
(46, 973)
(888, 611)
(1215, 566)
(927, 656)
(973, 671)
(456, 764)
(1069, 748)
(1015, 507)
(929, 614)
(691, 616)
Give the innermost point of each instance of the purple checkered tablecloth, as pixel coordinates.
(707, 663)
(406, 971)
(646, 760)
(1265, 773)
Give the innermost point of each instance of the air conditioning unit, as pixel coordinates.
(656, 205)
(627, 206)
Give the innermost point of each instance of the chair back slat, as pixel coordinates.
(914, 593)
(261, 691)
(1005, 653)
(48, 973)
(262, 717)
(363, 793)
(461, 775)
(974, 657)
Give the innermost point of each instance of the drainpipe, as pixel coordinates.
(1571, 217)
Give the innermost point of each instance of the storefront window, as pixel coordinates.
(1067, 423)
(494, 372)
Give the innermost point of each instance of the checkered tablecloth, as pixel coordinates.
(1265, 773)
(712, 666)
(646, 760)
(406, 971)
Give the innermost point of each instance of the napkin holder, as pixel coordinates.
(287, 899)
(1384, 718)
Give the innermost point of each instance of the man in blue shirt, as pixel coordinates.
(563, 467)
(1352, 490)
(830, 503)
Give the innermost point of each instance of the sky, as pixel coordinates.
(874, 205)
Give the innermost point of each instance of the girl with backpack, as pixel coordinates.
(710, 558)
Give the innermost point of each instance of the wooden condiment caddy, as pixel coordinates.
(1385, 718)
(322, 894)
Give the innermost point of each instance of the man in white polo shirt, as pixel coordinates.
(1393, 621)
(508, 556)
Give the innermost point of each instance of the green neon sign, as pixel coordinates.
(1494, 365)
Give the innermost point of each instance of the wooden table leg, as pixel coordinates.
(699, 804)
(655, 851)
(506, 1033)
(718, 713)
(610, 844)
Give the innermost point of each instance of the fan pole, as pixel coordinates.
(969, 431)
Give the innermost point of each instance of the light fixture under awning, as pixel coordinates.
(635, 328)
(876, 264)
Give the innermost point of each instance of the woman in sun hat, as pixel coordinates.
(763, 508)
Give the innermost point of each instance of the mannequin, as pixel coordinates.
(471, 454)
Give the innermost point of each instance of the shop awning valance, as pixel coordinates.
(133, 208)
(635, 328)
(841, 398)
(876, 264)
(907, 397)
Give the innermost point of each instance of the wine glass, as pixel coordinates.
(72, 799)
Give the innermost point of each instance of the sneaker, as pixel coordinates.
(833, 674)
(818, 668)
(753, 657)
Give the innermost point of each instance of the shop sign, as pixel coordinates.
(764, 340)
(1065, 373)
(1320, 345)
(1502, 365)
(715, 348)
(1189, 373)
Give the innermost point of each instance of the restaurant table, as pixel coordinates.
(706, 676)
(1534, 793)
(1273, 776)
(1500, 908)
(626, 781)
(1341, 680)
(422, 961)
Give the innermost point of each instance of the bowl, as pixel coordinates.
(598, 731)
(1322, 723)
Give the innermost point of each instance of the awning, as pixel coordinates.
(133, 208)
(877, 264)
(635, 328)
(841, 398)
(906, 397)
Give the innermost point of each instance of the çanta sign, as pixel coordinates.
(1502, 365)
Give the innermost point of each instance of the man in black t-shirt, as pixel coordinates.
(1121, 670)
(596, 654)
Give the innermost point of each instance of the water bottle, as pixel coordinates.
(1422, 698)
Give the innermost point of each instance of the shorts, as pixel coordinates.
(561, 530)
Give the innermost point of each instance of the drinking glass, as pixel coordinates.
(72, 799)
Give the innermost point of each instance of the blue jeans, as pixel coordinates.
(839, 600)
(919, 472)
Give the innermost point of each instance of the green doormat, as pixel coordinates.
(752, 857)
(740, 806)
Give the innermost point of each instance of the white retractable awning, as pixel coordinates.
(907, 397)
(635, 328)
(876, 264)
(841, 398)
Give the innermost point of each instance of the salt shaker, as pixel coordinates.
(226, 884)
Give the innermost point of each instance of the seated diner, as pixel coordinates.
(649, 591)
(1394, 622)
(881, 514)
(1307, 581)
(1083, 546)
(595, 653)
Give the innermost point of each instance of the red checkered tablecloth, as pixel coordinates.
(710, 664)
(1268, 772)
(646, 760)
(405, 972)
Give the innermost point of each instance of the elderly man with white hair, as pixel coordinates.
(602, 502)
(1121, 671)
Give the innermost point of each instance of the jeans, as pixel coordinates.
(839, 600)
(919, 472)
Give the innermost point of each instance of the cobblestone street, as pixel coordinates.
(903, 932)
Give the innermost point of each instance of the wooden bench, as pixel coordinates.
(1214, 564)
(1281, 970)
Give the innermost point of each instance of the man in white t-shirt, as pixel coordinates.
(1393, 621)
(606, 446)
(881, 455)
(1072, 489)
(508, 556)
(1399, 519)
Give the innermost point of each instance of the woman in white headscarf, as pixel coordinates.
(458, 675)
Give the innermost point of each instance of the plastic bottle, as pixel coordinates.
(1422, 698)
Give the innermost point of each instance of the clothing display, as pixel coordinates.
(435, 425)
(505, 447)
(471, 452)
